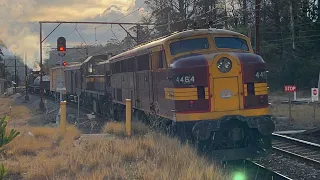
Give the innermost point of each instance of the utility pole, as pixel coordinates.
(257, 10)
(169, 23)
(41, 104)
(292, 26)
(225, 14)
(245, 14)
(15, 74)
(26, 78)
(138, 34)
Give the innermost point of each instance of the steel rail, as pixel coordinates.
(301, 145)
(269, 173)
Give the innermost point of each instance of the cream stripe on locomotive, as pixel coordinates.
(259, 89)
(183, 93)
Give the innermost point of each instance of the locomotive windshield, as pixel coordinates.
(231, 43)
(188, 45)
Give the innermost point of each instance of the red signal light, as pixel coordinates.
(61, 48)
(64, 63)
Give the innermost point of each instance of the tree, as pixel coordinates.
(5, 138)
(286, 65)
(1, 54)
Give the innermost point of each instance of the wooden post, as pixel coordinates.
(290, 117)
(128, 116)
(314, 111)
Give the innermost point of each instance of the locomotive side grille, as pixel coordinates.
(256, 95)
(201, 92)
(255, 89)
(198, 93)
(189, 99)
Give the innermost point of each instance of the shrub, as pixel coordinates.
(5, 138)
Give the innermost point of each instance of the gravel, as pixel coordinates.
(290, 167)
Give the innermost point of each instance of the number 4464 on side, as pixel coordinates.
(290, 88)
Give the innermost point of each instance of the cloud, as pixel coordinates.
(20, 27)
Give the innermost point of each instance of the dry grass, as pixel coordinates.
(46, 155)
(19, 114)
(138, 128)
(302, 116)
(298, 112)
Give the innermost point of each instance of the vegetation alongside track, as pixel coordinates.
(42, 153)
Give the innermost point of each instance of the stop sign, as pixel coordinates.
(314, 92)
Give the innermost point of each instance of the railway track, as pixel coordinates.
(264, 173)
(253, 171)
(304, 151)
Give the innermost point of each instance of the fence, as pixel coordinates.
(304, 113)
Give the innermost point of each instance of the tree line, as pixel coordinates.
(289, 31)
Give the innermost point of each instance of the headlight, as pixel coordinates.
(224, 65)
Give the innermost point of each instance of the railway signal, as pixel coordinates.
(61, 44)
(61, 48)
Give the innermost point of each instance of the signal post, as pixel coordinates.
(61, 48)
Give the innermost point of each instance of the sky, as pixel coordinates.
(19, 23)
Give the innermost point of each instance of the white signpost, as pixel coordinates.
(314, 99)
(314, 94)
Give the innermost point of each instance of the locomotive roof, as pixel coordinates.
(73, 66)
(101, 57)
(174, 35)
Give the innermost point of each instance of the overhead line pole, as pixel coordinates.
(15, 74)
(26, 77)
(41, 104)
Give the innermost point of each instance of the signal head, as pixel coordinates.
(61, 44)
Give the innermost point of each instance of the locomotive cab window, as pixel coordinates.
(143, 62)
(90, 68)
(157, 60)
(188, 45)
(231, 43)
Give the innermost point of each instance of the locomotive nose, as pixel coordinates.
(226, 91)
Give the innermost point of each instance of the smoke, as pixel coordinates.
(19, 26)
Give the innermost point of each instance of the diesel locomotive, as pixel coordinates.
(205, 85)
